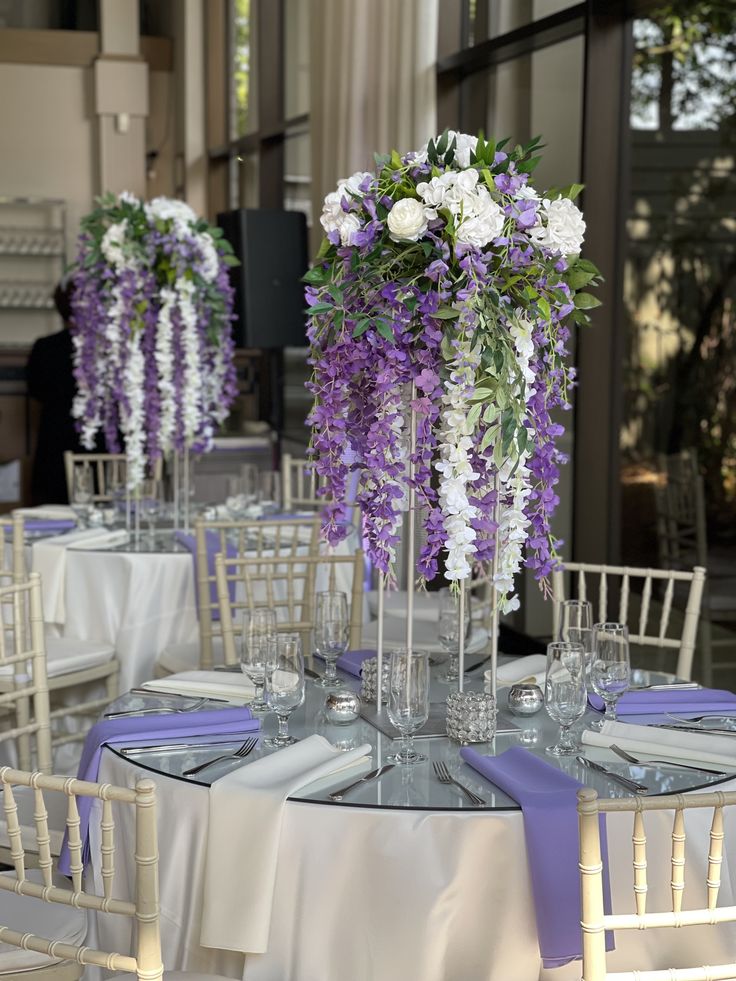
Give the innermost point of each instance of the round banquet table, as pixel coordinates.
(402, 880)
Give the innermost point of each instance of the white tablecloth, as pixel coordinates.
(400, 895)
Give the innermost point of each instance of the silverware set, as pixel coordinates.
(240, 754)
(371, 775)
(444, 776)
(683, 766)
(633, 785)
(159, 710)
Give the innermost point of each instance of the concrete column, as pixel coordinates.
(121, 100)
(191, 86)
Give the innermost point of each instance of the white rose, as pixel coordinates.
(349, 224)
(564, 229)
(407, 221)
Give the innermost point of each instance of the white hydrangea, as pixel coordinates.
(479, 218)
(560, 228)
(127, 197)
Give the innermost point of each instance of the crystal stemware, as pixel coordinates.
(564, 692)
(331, 632)
(270, 491)
(82, 492)
(259, 634)
(150, 505)
(408, 700)
(610, 672)
(284, 685)
(449, 631)
(575, 614)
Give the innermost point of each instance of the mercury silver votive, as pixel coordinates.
(471, 716)
(342, 707)
(525, 699)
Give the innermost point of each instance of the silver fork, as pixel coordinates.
(240, 754)
(684, 766)
(698, 719)
(443, 775)
(160, 710)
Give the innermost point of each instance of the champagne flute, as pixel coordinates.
(284, 685)
(259, 634)
(270, 491)
(586, 637)
(610, 673)
(408, 700)
(573, 614)
(82, 492)
(449, 631)
(564, 692)
(331, 632)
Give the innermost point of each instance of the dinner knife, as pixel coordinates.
(632, 785)
(696, 729)
(159, 693)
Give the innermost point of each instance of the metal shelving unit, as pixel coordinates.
(31, 229)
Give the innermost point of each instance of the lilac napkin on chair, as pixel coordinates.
(142, 728)
(212, 541)
(51, 525)
(352, 661)
(548, 801)
(691, 701)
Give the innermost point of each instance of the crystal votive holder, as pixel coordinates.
(471, 716)
(368, 673)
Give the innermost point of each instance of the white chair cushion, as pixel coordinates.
(425, 635)
(56, 806)
(185, 657)
(65, 655)
(52, 921)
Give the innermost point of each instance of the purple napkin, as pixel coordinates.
(159, 728)
(688, 700)
(352, 661)
(212, 540)
(548, 802)
(48, 524)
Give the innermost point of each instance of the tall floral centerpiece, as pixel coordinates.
(445, 272)
(153, 347)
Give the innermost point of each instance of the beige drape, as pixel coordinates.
(373, 84)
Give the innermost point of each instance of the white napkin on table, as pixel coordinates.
(236, 688)
(533, 668)
(50, 512)
(48, 557)
(245, 814)
(671, 744)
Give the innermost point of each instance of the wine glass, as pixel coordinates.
(408, 700)
(449, 631)
(564, 692)
(259, 633)
(82, 492)
(284, 684)
(150, 505)
(576, 614)
(270, 490)
(610, 673)
(331, 632)
(249, 481)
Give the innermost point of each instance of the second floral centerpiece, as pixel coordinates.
(445, 274)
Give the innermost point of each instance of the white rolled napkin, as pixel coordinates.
(531, 668)
(49, 512)
(235, 687)
(671, 744)
(48, 557)
(245, 813)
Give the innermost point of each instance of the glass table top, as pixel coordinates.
(415, 787)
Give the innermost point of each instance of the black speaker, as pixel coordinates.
(269, 294)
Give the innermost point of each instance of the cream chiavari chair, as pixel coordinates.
(288, 585)
(298, 483)
(25, 897)
(71, 664)
(595, 922)
(109, 470)
(620, 579)
(238, 539)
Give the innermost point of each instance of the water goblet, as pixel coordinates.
(259, 634)
(586, 637)
(573, 614)
(82, 492)
(408, 701)
(610, 672)
(449, 631)
(331, 632)
(564, 692)
(284, 685)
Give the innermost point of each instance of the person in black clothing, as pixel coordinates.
(50, 380)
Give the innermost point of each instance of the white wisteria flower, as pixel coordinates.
(562, 228)
(165, 365)
(112, 243)
(407, 221)
(210, 258)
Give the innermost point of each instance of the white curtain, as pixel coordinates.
(373, 85)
